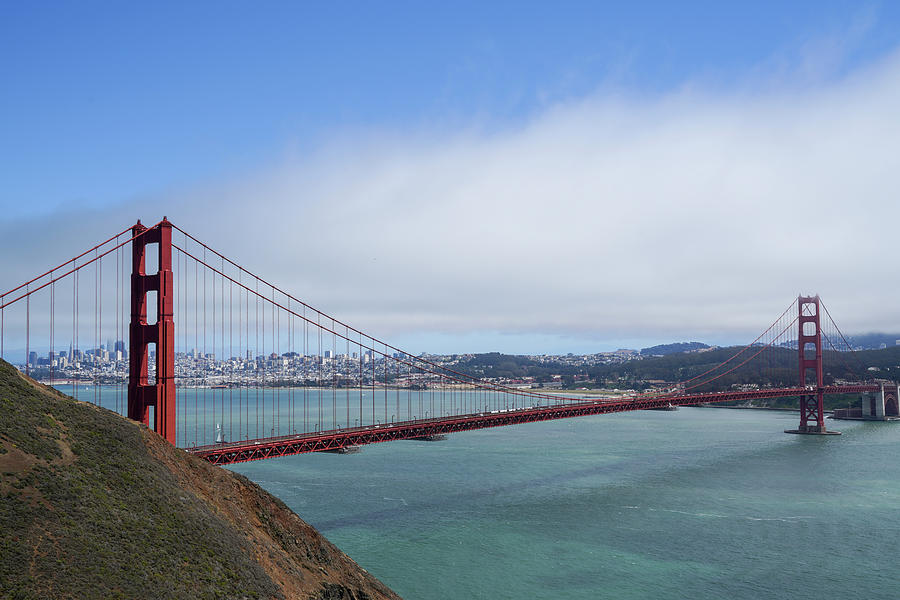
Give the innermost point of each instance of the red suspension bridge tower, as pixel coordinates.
(161, 393)
(809, 348)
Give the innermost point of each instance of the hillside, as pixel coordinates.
(675, 348)
(93, 505)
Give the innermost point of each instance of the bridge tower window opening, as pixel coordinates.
(152, 307)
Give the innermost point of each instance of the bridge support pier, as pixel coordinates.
(161, 393)
(809, 345)
(882, 405)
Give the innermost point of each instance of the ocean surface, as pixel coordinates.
(696, 503)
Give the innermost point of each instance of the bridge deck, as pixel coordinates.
(235, 452)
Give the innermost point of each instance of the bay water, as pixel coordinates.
(695, 503)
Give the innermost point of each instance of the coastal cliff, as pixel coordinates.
(93, 505)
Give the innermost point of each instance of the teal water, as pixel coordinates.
(253, 413)
(698, 503)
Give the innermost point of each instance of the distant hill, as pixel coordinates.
(664, 349)
(873, 341)
(93, 505)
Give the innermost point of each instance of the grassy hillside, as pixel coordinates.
(95, 506)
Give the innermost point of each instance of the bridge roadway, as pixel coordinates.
(337, 439)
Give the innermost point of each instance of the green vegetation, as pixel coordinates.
(95, 506)
(106, 521)
(778, 369)
(672, 348)
(494, 364)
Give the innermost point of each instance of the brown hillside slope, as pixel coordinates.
(93, 505)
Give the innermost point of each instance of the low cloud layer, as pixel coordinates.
(609, 220)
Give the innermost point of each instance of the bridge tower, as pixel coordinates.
(161, 393)
(809, 347)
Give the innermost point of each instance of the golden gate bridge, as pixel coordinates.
(253, 372)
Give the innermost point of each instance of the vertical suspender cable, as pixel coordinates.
(75, 331)
(27, 331)
(256, 356)
(52, 304)
(182, 316)
(205, 362)
(360, 356)
(265, 366)
(276, 350)
(99, 317)
(196, 351)
(372, 359)
(118, 332)
(96, 347)
(347, 378)
(333, 366)
(240, 355)
(230, 360)
(319, 360)
(211, 364)
(305, 373)
(125, 328)
(220, 354)
(286, 376)
(245, 356)
(177, 268)
(292, 362)
(120, 329)
(384, 367)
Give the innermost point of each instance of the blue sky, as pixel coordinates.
(120, 108)
(105, 102)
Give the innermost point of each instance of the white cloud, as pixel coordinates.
(693, 215)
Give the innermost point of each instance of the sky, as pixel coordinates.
(516, 177)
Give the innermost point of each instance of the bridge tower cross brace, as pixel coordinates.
(161, 393)
(809, 339)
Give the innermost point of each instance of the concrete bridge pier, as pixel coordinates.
(883, 404)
